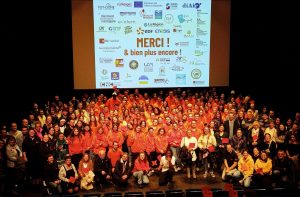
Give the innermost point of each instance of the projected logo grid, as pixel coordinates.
(146, 44)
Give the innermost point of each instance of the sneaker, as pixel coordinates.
(205, 175)
(140, 185)
(212, 175)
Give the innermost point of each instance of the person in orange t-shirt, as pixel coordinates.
(161, 143)
(114, 155)
(137, 141)
(100, 141)
(115, 136)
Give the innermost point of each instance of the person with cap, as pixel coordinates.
(114, 100)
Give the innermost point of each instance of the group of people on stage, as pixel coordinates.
(98, 140)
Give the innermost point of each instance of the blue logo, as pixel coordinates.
(181, 79)
(138, 4)
(143, 79)
(158, 14)
(115, 76)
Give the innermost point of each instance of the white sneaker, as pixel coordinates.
(212, 175)
(205, 175)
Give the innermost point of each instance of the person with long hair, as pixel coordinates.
(207, 144)
(76, 144)
(161, 142)
(166, 167)
(137, 142)
(61, 149)
(189, 144)
(263, 170)
(246, 167)
(141, 169)
(85, 171)
(100, 141)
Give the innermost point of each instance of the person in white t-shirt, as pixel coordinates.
(166, 167)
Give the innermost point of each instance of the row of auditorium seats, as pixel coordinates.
(238, 192)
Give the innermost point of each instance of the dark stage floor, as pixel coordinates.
(179, 182)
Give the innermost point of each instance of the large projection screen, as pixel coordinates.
(150, 44)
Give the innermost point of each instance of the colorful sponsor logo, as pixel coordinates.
(103, 41)
(162, 31)
(127, 29)
(145, 15)
(143, 80)
(184, 18)
(181, 79)
(119, 62)
(196, 73)
(188, 34)
(133, 64)
(158, 14)
(115, 75)
(171, 6)
(142, 31)
(191, 5)
(199, 53)
(181, 59)
(138, 4)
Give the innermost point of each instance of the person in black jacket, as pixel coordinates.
(283, 169)
(122, 171)
(231, 125)
(45, 149)
(50, 175)
(30, 148)
(102, 169)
